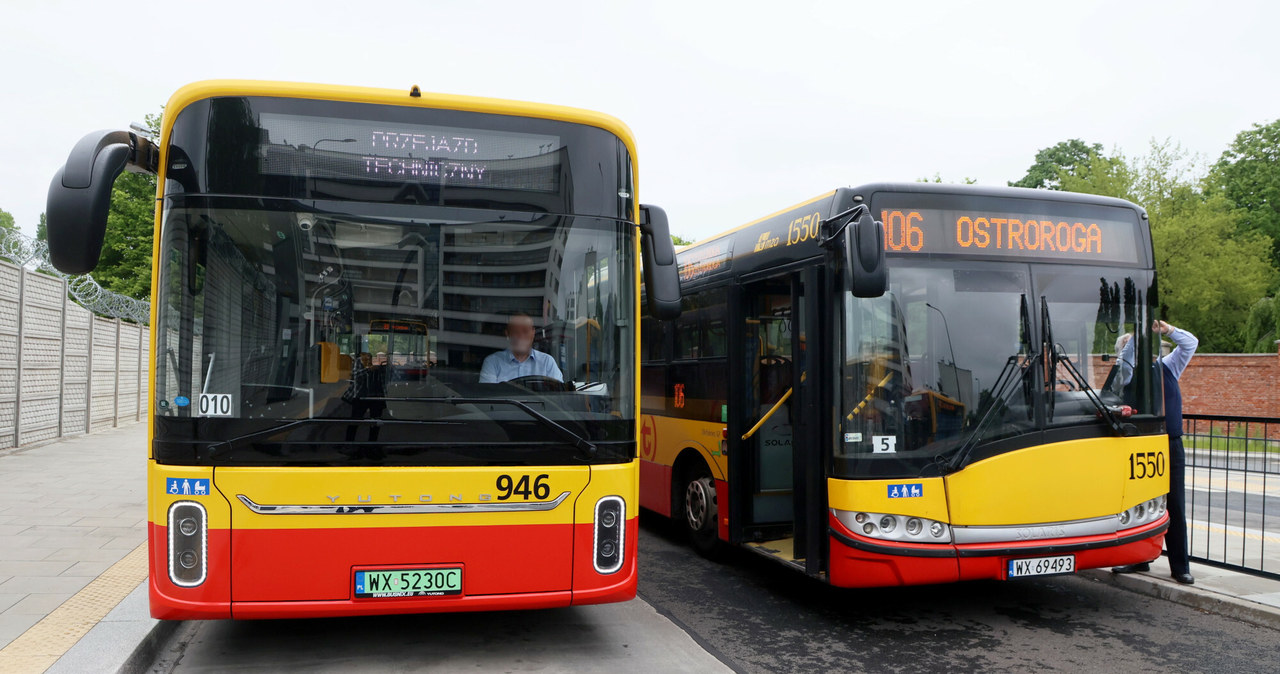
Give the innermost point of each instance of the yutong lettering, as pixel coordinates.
(421, 498)
(1034, 235)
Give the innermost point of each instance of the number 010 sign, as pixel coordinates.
(214, 405)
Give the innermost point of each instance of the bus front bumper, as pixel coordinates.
(861, 561)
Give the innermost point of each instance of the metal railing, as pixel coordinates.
(1233, 492)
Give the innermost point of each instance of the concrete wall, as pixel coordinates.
(64, 371)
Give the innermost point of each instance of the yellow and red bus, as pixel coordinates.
(292, 218)
(936, 427)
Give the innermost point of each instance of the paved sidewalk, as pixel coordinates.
(69, 511)
(1230, 593)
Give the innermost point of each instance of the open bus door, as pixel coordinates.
(777, 498)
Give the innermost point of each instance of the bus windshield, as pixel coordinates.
(274, 310)
(964, 355)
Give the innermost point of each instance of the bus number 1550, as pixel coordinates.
(1146, 464)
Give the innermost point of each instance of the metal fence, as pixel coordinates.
(1233, 492)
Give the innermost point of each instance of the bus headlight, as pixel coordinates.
(609, 539)
(188, 543)
(892, 527)
(1143, 513)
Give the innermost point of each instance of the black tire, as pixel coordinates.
(699, 511)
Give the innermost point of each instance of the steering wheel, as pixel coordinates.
(540, 384)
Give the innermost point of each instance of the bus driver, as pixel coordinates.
(519, 359)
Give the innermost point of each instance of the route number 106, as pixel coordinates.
(1146, 464)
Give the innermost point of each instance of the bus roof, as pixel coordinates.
(793, 234)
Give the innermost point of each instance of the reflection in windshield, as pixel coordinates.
(953, 357)
(300, 314)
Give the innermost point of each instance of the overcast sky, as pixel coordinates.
(739, 108)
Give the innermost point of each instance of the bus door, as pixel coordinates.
(773, 416)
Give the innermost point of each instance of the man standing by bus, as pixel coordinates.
(1172, 367)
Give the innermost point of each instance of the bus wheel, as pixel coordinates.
(701, 511)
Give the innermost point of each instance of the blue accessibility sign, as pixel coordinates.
(906, 490)
(183, 486)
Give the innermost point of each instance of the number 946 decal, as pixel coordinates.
(1146, 464)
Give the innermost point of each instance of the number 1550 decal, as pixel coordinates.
(1146, 464)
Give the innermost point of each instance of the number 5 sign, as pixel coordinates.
(884, 444)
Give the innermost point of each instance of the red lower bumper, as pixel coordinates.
(299, 573)
(860, 561)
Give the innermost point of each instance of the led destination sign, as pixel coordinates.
(999, 232)
(362, 149)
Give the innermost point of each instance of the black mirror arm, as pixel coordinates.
(80, 194)
(830, 237)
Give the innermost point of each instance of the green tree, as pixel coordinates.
(125, 265)
(680, 240)
(937, 178)
(6, 220)
(1248, 174)
(42, 228)
(1211, 272)
(1066, 156)
(1262, 327)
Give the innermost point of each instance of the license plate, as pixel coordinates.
(1042, 566)
(437, 582)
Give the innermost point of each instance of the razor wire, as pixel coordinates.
(33, 254)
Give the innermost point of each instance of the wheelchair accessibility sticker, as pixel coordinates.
(906, 490)
(186, 486)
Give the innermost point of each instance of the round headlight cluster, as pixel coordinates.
(1143, 513)
(895, 527)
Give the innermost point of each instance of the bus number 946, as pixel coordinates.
(1146, 464)
(508, 487)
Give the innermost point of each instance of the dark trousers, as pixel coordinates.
(1175, 541)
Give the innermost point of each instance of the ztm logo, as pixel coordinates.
(765, 243)
(648, 438)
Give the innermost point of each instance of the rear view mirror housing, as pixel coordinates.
(80, 195)
(865, 272)
(661, 276)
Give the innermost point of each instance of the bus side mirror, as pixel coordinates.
(661, 278)
(865, 272)
(80, 195)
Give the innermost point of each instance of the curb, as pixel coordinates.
(148, 650)
(1189, 595)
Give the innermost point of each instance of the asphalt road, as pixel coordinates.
(755, 616)
(758, 617)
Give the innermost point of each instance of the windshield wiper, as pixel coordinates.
(578, 442)
(1001, 392)
(1057, 357)
(219, 448)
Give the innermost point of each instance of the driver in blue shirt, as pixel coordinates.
(520, 359)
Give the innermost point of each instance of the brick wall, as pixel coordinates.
(1231, 384)
(1242, 385)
